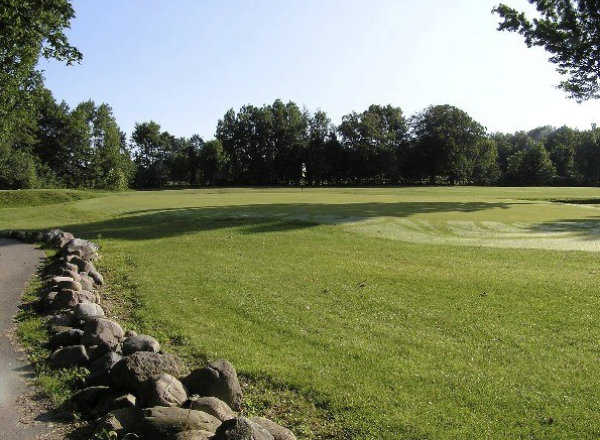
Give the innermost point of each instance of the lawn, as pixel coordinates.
(404, 313)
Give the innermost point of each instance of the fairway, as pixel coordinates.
(404, 313)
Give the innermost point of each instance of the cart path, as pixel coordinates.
(18, 262)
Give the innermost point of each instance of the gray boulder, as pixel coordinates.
(241, 428)
(87, 310)
(196, 434)
(164, 390)
(213, 406)
(166, 422)
(132, 371)
(101, 366)
(86, 282)
(71, 336)
(85, 249)
(83, 266)
(65, 319)
(70, 274)
(102, 331)
(136, 343)
(88, 398)
(120, 421)
(70, 356)
(96, 276)
(70, 267)
(70, 298)
(277, 431)
(46, 302)
(218, 379)
(69, 284)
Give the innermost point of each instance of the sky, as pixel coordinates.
(184, 63)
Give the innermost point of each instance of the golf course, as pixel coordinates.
(366, 313)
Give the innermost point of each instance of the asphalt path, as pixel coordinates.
(18, 262)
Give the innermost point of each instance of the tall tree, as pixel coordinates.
(448, 143)
(28, 29)
(375, 138)
(570, 31)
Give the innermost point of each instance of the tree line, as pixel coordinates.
(44, 143)
(282, 144)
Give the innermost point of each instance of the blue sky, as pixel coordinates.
(183, 63)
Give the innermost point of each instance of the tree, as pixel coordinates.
(570, 31)
(375, 139)
(448, 143)
(151, 153)
(28, 29)
(561, 144)
(212, 162)
(530, 166)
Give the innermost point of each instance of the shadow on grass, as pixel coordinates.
(586, 229)
(255, 219)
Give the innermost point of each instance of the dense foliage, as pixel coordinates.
(44, 143)
(279, 144)
(570, 31)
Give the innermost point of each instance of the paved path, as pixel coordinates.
(18, 261)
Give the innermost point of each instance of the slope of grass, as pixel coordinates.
(396, 339)
(39, 197)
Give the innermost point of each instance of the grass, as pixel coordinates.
(22, 198)
(57, 385)
(363, 309)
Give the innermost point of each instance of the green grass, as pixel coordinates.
(400, 313)
(57, 384)
(21, 198)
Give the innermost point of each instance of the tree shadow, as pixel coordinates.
(257, 218)
(585, 229)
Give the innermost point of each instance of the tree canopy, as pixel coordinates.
(570, 31)
(29, 29)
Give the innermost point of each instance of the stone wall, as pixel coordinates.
(134, 388)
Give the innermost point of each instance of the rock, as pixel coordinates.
(213, 406)
(100, 368)
(277, 431)
(71, 274)
(69, 356)
(71, 336)
(136, 343)
(58, 279)
(130, 333)
(83, 266)
(47, 301)
(70, 298)
(88, 398)
(69, 267)
(166, 422)
(241, 428)
(112, 402)
(52, 235)
(86, 250)
(37, 236)
(54, 329)
(163, 391)
(70, 284)
(63, 239)
(132, 371)
(86, 282)
(96, 276)
(102, 331)
(218, 379)
(120, 421)
(194, 435)
(86, 311)
(62, 319)
(123, 401)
